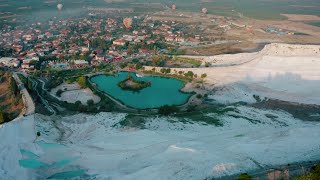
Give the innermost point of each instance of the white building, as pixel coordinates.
(119, 42)
(10, 62)
(80, 62)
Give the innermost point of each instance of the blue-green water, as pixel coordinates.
(67, 174)
(31, 163)
(63, 162)
(45, 145)
(163, 91)
(28, 154)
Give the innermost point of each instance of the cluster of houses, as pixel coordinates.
(24, 63)
(278, 31)
(72, 39)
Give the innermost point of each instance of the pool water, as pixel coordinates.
(63, 162)
(163, 91)
(67, 174)
(45, 145)
(51, 162)
(31, 163)
(29, 154)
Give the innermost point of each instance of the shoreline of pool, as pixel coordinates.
(128, 107)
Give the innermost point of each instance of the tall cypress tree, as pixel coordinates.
(1, 117)
(13, 86)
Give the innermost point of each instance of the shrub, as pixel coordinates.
(203, 75)
(78, 103)
(189, 74)
(313, 175)
(138, 66)
(82, 81)
(244, 176)
(168, 71)
(90, 102)
(59, 92)
(167, 110)
(163, 70)
(199, 96)
(1, 117)
(191, 108)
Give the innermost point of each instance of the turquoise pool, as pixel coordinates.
(163, 91)
(28, 154)
(31, 163)
(67, 174)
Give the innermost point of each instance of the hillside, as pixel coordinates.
(11, 103)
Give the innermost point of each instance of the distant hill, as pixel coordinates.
(260, 9)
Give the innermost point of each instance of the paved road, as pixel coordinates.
(43, 100)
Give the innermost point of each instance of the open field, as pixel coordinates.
(314, 23)
(251, 8)
(301, 17)
(258, 9)
(73, 92)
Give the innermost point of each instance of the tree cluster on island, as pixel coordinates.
(132, 84)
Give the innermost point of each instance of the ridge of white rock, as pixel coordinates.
(281, 71)
(16, 135)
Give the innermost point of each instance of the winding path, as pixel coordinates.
(43, 100)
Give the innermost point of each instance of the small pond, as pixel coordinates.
(163, 91)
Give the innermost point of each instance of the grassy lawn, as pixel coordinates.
(184, 60)
(314, 23)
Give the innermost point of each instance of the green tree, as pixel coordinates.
(199, 96)
(167, 110)
(90, 102)
(59, 92)
(82, 81)
(189, 74)
(313, 175)
(1, 117)
(77, 103)
(138, 66)
(123, 65)
(244, 176)
(13, 86)
(162, 70)
(168, 71)
(155, 49)
(203, 75)
(29, 84)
